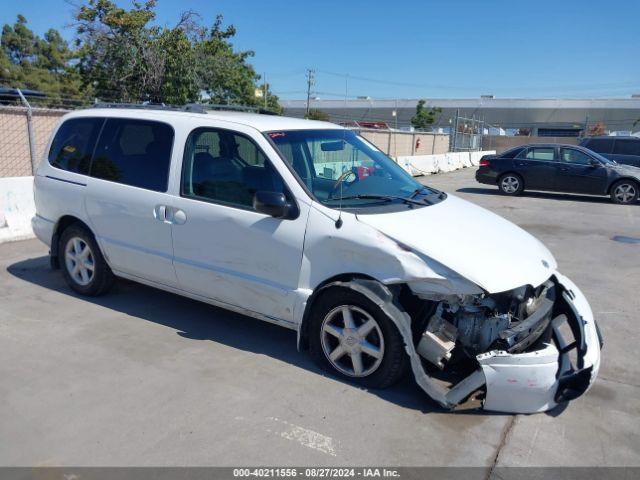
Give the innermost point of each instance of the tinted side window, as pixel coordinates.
(627, 147)
(541, 153)
(577, 157)
(224, 167)
(73, 144)
(134, 152)
(600, 145)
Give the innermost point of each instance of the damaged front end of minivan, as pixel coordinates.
(521, 351)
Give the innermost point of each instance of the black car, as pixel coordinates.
(625, 150)
(559, 168)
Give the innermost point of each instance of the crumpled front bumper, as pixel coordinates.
(537, 381)
(527, 382)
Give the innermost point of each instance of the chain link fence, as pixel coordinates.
(466, 134)
(24, 134)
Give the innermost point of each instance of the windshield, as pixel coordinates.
(602, 158)
(341, 168)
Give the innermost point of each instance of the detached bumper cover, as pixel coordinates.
(538, 381)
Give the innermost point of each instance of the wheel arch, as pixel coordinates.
(62, 224)
(618, 180)
(303, 329)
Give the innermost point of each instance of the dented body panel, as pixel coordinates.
(479, 245)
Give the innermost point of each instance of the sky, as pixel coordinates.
(416, 49)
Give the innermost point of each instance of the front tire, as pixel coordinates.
(624, 192)
(511, 184)
(83, 266)
(352, 337)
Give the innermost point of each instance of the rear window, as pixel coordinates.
(599, 145)
(134, 152)
(512, 153)
(73, 144)
(627, 147)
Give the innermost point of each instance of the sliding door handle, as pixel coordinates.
(171, 215)
(160, 213)
(178, 217)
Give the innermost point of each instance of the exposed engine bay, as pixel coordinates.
(460, 328)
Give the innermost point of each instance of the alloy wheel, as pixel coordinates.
(79, 261)
(625, 192)
(352, 341)
(510, 184)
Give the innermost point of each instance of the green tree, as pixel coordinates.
(125, 57)
(18, 42)
(121, 55)
(423, 117)
(28, 61)
(317, 114)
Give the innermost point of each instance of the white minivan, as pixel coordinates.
(309, 226)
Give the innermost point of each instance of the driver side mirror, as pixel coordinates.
(274, 204)
(594, 163)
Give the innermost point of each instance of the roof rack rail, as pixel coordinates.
(190, 107)
(240, 108)
(232, 107)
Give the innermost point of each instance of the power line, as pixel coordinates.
(583, 87)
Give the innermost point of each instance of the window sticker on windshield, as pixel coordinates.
(277, 134)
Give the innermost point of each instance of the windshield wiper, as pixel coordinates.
(388, 198)
(417, 191)
(440, 195)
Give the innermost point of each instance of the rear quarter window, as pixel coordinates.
(512, 153)
(73, 144)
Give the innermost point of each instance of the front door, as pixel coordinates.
(578, 173)
(223, 249)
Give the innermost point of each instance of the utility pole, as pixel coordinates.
(264, 76)
(309, 85)
(585, 132)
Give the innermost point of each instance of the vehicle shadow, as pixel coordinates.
(546, 195)
(199, 321)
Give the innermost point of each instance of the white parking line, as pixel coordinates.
(306, 437)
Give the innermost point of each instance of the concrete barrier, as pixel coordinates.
(418, 165)
(16, 208)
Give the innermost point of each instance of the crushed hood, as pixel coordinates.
(477, 244)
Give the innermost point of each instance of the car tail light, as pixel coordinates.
(484, 163)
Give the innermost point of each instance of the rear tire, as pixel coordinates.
(82, 264)
(625, 192)
(511, 184)
(370, 351)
